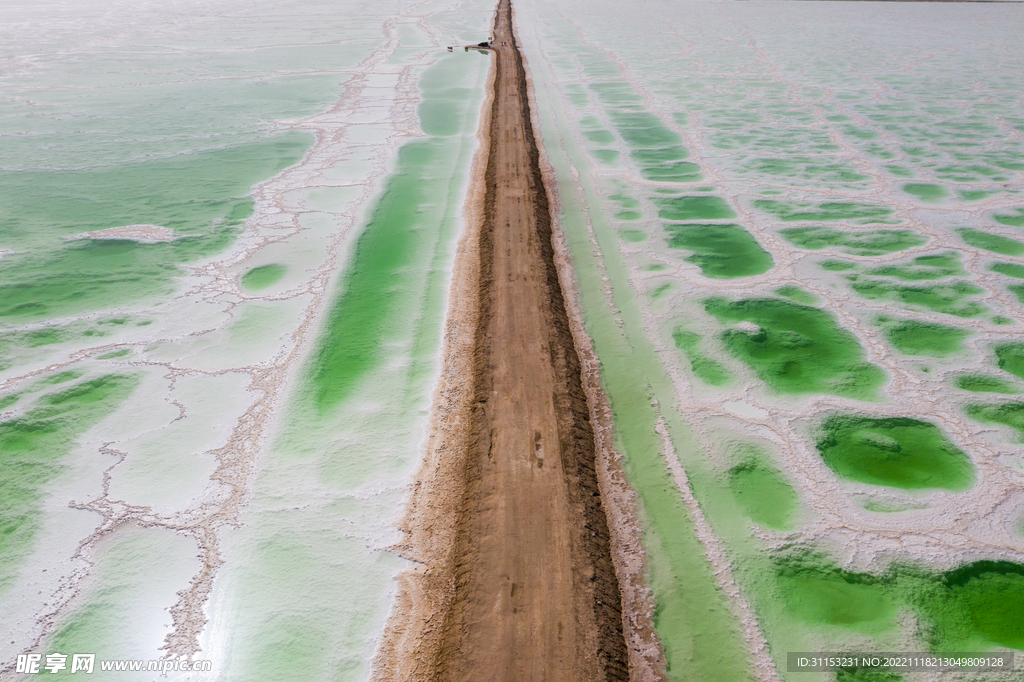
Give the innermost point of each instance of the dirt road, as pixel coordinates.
(516, 580)
(536, 596)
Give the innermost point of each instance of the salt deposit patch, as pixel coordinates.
(745, 410)
(145, 234)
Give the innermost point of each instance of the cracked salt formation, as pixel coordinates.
(140, 546)
(198, 500)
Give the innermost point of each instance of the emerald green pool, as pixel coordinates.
(980, 383)
(1010, 357)
(1005, 414)
(797, 348)
(926, 192)
(721, 251)
(893, 451)
(974, 607)
(933, 266)
(791, 211)
(914, 337)
(860, 243)
(693, 208)
(991, 242)
(954, 298)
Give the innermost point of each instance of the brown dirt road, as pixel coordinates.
(536, 594)
(516, 580)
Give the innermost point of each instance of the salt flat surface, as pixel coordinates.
(744, 185)
(186, 186)
(779, 214)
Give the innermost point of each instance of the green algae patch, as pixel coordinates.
(797, 294)
(930, 267)
(926, 192)
(704, 368)
(797, 349)
(397, 264)
(1017, 290)
(114, 354)
(693, 208)
(661, 290)
(31, 449)
(761, 491)
(833, 265)
(1004, 414)
(991, 242)
(805, 167)
(1010, 357)
(18, 347)
(949, 299)
(899, 171)
(1015, 219)
(792, 211)
(615, 93)
(979, 383)
(913, 337)
(45, 337)
(60, 378)
(666, 164)
(676, 171)
(263, 276)
(359, 320)
(660, 155)
(975, 606)
(869, 243)
(819, 594)
(96, 274)
(720, 251)
(1008, 269)
(898, 452)
(974, 195)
